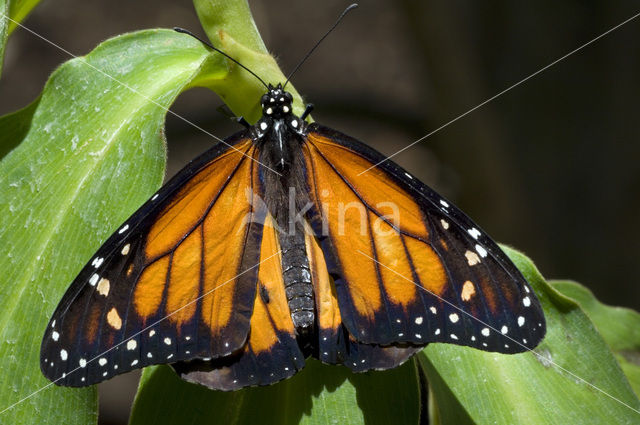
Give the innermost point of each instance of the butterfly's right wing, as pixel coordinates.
(407, 267)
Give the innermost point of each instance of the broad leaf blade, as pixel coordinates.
(318, 395)
(619, 326)
(573, 379)
(92, 153)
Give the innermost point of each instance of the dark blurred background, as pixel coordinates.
(551, 168)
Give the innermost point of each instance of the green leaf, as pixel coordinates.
(319, 394)
(572, 377)
(620, 327)
(18, 11)
(92, 151)
(14, 127)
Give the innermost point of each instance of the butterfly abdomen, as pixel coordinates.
(297, 281)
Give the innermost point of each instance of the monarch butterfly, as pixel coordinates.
(286, 241)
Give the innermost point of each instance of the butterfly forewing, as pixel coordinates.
(163, 288)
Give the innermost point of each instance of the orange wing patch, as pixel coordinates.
(184, 283)
(327, 310)
(396, 267)
(148, 293)
(227, 221)
(427, 266)
(191, 203)
(271, 317)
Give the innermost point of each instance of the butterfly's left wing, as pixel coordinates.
(408, 267)
(176, 282)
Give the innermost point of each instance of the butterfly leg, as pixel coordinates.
(307, 111)
(243, 122)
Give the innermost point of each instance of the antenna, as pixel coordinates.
(209, 45)
(304, 59)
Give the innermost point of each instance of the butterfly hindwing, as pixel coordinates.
(409, 266)
(176, 281)
(335, 345)
(271, 353)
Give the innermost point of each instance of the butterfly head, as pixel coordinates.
(276, 102)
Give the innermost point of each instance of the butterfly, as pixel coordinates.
(287, 240)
